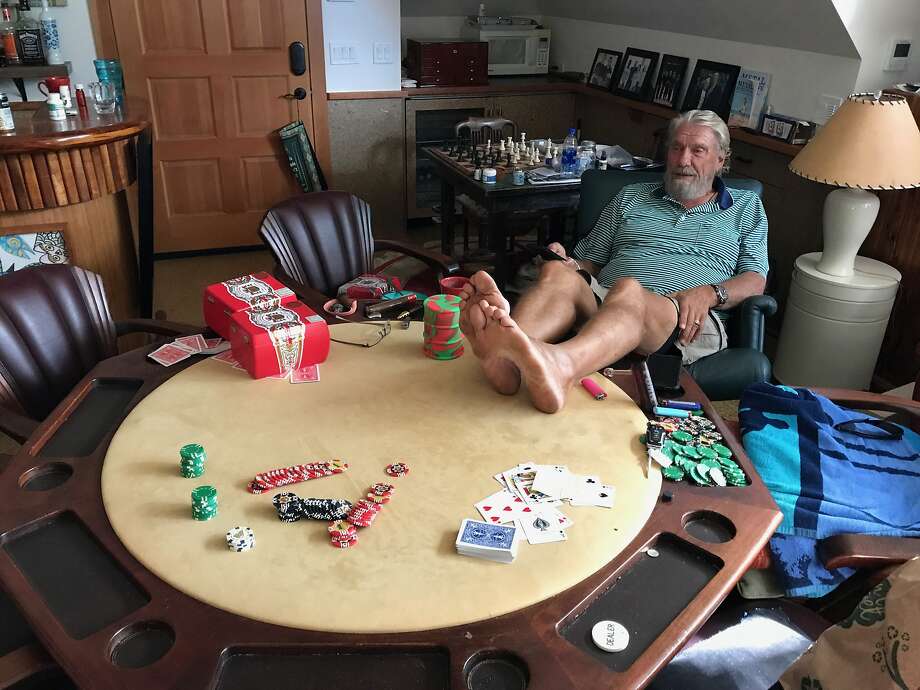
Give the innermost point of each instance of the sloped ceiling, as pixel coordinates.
(811, 25)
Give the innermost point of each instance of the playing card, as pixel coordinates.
(226, 357)
(502, 506)
(539, 530)
(481, 535)
(551, 480)
(582, 487)
(556, 517)
(309, 374)
(195, 343)
(169, 354)
(216, 346)
(601, 496)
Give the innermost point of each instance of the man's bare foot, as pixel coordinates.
(481, 289)
(545, 369)
(501, 372)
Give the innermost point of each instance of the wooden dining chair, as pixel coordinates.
(480, 129)
(55, 326)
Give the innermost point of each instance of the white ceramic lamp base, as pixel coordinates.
(848, 218)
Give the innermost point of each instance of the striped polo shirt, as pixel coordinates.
(645, 234)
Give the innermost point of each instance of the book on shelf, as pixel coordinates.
(750, 99)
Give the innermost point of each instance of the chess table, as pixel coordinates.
(125, 590)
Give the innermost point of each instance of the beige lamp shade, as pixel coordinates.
(869, 143)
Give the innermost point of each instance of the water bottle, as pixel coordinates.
(570, 155)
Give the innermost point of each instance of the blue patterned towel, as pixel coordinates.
(826, 480)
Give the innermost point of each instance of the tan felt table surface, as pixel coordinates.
(372, 407)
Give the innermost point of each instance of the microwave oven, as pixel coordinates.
(513, 50)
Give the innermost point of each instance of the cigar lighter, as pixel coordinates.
(594, 389)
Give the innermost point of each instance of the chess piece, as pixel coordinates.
(489, 146)
(501, 146)
(523, 138)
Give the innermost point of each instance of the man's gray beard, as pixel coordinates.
(686, 191)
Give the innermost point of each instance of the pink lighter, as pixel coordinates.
(594, 389)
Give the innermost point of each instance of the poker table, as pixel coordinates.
(99, 550)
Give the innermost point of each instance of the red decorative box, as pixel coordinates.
(369, 286)
(278, 339)
(223, 300)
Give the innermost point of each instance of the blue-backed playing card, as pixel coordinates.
(495, 542)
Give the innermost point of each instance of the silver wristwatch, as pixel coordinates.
(721, 293)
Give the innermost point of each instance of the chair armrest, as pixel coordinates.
(156, 327)
(445, 264)
(863, 400)
(748, 321)
(16, 425)
(866, 551)
(22, 663)
(312, 297)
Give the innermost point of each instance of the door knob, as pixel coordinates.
(299, 94)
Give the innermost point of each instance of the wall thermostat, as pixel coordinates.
(898, 54)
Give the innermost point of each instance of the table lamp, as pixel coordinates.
(871, 142)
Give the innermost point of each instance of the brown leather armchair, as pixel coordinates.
(54, 327)
(324, 239)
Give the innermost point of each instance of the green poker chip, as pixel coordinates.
(722, 450)
(716, 476)
(711, 463)
(697, 475)
(705, 452)
(643, 439)
(682, 436)
(675, 474)
(691, 452)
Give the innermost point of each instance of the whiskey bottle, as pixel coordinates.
(29, 36)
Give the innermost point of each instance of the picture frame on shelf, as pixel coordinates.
(604, 69)
(711, 88)
(670, 80)
(636, 74)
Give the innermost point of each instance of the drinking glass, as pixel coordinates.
(103, 94)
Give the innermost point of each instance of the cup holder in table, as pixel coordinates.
(44, 477)
(710, 527)
(495, 670)
(141, 644)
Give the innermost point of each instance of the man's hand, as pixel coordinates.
(694, 305)
(560, 250)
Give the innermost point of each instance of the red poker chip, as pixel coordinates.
(382, 489)
(379, 500)
(367, 505)
(397, 469)
(345, 537)
(344, 544)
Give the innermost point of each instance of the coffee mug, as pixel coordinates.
(52, 85)
(453, 285)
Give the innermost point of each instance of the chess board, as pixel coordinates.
(468, 167)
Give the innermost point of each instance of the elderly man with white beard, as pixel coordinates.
(660, 267)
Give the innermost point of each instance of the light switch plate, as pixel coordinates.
(383, 53)
(341, 53)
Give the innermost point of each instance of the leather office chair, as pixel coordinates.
(54, 327)
(324, 239)
(723, 375)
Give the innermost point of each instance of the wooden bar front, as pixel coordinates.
(75, 176)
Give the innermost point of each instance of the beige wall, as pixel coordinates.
(369, 158)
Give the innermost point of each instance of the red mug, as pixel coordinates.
(53, 85)
(453, 285)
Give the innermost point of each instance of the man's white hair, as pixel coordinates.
(706, 118)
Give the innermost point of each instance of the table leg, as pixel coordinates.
(495, 231)
(145, 222)
(21, 88)
(447, 218)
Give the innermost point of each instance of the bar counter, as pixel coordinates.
(76, 177)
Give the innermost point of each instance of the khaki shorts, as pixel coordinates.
(710, 339)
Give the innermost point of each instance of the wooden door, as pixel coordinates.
(214, 73)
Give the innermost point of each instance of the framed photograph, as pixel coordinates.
(604, 68)
(750, 99)
(635, 80)
(670, 80)
(711, 88)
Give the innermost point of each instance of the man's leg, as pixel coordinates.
(630, 319)
(547, 311)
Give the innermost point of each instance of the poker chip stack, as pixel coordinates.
(191, 460)
(342, 534)
(363, 513)
(241, 539)
(695, 450)
(291, 507)
(204, 503)
(442, 336)
(274, 479)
